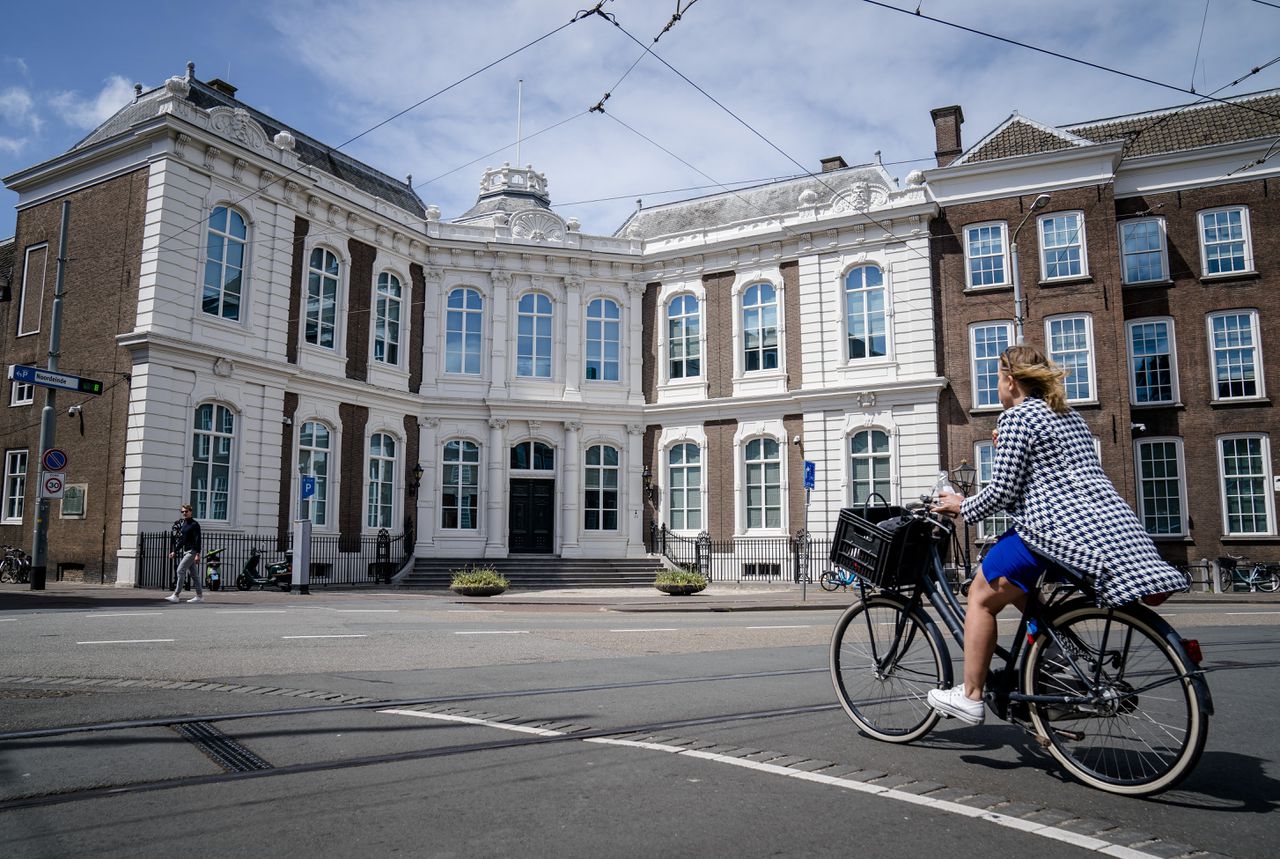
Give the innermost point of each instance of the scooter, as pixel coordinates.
(212, 576)
(279, 574)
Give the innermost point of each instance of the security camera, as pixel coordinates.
(795, 440)
(74, 410)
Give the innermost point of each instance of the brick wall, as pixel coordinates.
(417, 321)
(651, 318)
(287, 466)
(721, 494)
(351, 504)
(717, 316)
(297, 289)
(650, 455)
(791, 315)
(794, 457)
(359, 298)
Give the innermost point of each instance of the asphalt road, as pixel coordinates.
(421, 725)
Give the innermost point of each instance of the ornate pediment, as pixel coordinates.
(235, 123)
(536, 225)
(860, 196)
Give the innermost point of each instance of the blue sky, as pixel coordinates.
(814, 77)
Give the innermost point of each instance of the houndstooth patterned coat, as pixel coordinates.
(1047, 476)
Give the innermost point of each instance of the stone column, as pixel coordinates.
(574, 347)
(571, 509)
(428, 490)
(632, 513)
(495, 543)
(499, 336)
(634, 320)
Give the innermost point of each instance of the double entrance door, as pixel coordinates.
(531, 526)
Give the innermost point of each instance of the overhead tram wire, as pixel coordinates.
(648, 49)
(500, 149)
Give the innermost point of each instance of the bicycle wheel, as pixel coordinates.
(829, 580)
(884, 661)
(1269, 581)
(1150, 725)
(7, 571)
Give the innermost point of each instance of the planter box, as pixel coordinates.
(477, 590)
(679, 590)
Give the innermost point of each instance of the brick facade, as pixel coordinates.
(717, 318)
(359, 301)
(721, 496)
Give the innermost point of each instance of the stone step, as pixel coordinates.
(541, 572)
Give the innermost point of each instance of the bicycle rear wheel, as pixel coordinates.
(829, 580)
(1147, 728)
(884, 661)
(7, 573)
(1269, 581)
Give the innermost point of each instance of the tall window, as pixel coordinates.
(1070, 340)
(760, 327)
(313, 461)
(986, 341)
(224, 263)
(382, 471)
(1245, 468)
(533, 336)
(985, 255)
(684, 497)
(211, 449)
(386, 320)
(1142, 250)
(1153, 365)
(21, 394)
(15, 485)
(322, 298)
(864, 313)
(764, 484)
(460, 494)
(1062, 246)
(31, 301)
(684, 345)
(984, 453)
(869, 466)
(1225, 241)
(463, 319)
(600, 503)
(1160, 485)
(532, 456)
(603, 341)
(1233, 350)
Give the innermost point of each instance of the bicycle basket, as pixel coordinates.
(883, 544)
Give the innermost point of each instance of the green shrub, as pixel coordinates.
(681, 577)
(478, 577)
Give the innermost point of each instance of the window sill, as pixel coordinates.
(1152, 406)
(1228, 276)
(1242, 402)
(1141, 283)
(989, 287)
(11, 522)
(1084, 404)
(1168, 539)
(986, 410)
(20, 405)
(1074, 280)
(1250, 538)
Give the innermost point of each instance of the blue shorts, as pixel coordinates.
(1010, 559)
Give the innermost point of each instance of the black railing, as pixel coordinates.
(335, 560)
(745, 559)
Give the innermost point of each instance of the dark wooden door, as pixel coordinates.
(532, 522)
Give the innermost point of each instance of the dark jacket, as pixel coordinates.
(186, 536)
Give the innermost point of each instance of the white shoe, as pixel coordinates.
(171, 598)
(196, 598)
(953, 702)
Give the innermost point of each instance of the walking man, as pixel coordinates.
(186, 545)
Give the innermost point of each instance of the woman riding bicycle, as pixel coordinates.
(1047, 476)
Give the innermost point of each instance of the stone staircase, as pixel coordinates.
(540, 572)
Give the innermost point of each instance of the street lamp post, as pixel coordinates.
(1039, 203)
(965, 476)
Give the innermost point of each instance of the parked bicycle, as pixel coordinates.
(15, 566)
(836, 578)
(1115, 695)
(1239, 574)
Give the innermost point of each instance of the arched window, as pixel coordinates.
(322, 298)
(603, 340)
(532, 456)
(386, 320)
(382, 471)
(533, 336)
(684, 342)
(864, 313)
(313, 461)
(224, 263)
(869, 465)
(684, 497)
(760, 327)
(463, 318)
(211, 457)
(600, 503)
(764, 484)
(460, 491)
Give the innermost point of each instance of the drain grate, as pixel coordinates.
(221, 749)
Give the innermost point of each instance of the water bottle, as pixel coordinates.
(943, 484)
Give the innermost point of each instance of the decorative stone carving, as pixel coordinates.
(915, 178)
(265, 180)
(429, 423)
(867, 400)
(211, 154)
(497, 423)
(534, 427)
(284, 140)
(808, 198)
(860, 197)
(353, 222)
(500, 278)
(573, 426)
(433, 274)
(400, 243)
(313, 203)
(223, 367)
(635, 429)
(237, 168)
(381, 235)
(536, 225)
(573, 283)
(180, 145)
(335, 212)
(501, 219)
(177, 86)
(635, 287)
(573, 225)
(236, 124)
(291, 191)
(433, 212)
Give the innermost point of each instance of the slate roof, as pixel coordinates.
(6, 258)
(310, 150)
(509, 202)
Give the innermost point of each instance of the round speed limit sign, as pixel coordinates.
(52, 485)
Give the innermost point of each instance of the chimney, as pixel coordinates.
(946, 128)
(833, 162)
(227, 89)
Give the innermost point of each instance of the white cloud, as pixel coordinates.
(17, 108)
(89, 112)
(12, 145)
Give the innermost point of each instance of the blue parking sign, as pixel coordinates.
(308, 487)
(810, 474)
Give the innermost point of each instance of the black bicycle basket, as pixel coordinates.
(882, 544)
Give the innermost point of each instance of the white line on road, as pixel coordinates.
(449, 717)
(324, 636)
(782, 626)
(125, 614)
(131, 641)
(366, 610)
(492, 632)
(1242, 613)
(7, 619)
(651, 629)
(250, 611)
(475, 610)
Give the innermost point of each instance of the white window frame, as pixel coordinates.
(871, 457)
(21, 393)
(324, 276)
(227, 238)
(1246, 239)
(204, 502)
(1259, 376)
(601, 342)
(1267, 480)
(761, 307)
(1079, 243)
(608, 478)
(1090, 350)
(388, 327)
(460, 448)
(1172, 356)
(27, 291)
(537, 314)
(1163, 250)
(763, 485)
(683, 468)
(531, 469)
(1002, 254)
(464, 315)
(685, 339)
(1142, 482)
(308, 455)
(16, 463)
(984, 459)
(377, 513)
(867, 316)
(973, 362)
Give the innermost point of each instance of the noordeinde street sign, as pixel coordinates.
(49, 379)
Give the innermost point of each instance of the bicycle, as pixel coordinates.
(15, 566)
(1113, 694)
(836, 578)
(1259, 576)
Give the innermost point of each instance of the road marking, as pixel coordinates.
(125, 614)
(131, 641)
(449, 717)
(324, 636)
(7, 619)
(651, 629)
(1243, 613)
(782, 626)
(475, 610)
(366, 610)
(250, 611)
(492, 632)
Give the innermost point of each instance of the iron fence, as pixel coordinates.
(336, 560)
(746, 559)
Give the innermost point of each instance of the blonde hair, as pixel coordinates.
(1036, 375)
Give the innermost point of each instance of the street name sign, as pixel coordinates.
(50, 379)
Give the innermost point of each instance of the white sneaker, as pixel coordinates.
(953, 702)
(171, 598)
(196, 598)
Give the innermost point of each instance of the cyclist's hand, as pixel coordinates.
(947, 503)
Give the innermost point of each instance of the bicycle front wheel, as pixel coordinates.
(7, 572)
(1144, 728)
(884, 661)
(1269, 581)
(829, 581)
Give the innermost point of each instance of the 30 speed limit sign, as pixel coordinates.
(52, 483)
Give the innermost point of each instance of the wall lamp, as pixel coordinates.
(417, 479)
(650, 489)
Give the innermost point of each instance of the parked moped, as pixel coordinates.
(212, 574)
(279, 574)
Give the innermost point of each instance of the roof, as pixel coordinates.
(6, 258)
(1173, 129)
(311, 151)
